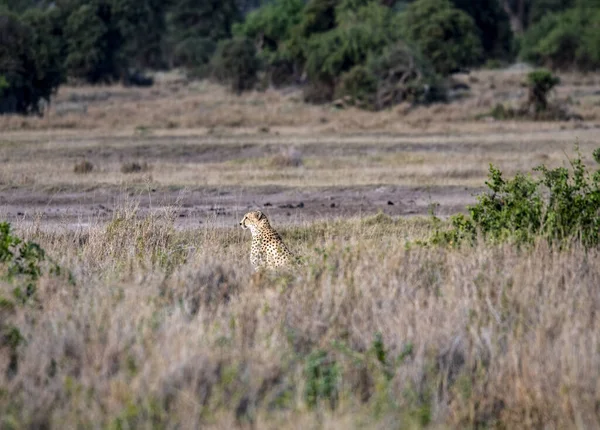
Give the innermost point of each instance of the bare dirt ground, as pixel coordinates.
(210, 156)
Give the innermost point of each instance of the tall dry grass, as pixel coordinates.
(171, 329)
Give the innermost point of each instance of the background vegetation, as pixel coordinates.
(354, 49)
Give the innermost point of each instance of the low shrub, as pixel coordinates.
(134, 167)
(560, 206)
(83, 167)
(537, 106)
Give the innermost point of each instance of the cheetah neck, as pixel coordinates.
(256, 231)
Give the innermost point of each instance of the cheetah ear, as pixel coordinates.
(260, 215)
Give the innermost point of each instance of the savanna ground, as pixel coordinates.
(162, 323)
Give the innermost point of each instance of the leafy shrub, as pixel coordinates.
(322, 378)
(445, 34)
(540, 83)
(236, 64)
(21, 262)
(537, 107)
(561, 205)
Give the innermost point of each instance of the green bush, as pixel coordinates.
(322, 376)
(540, 83)
(22, 262)
(236, 64)
(445, 35)
(562, 205)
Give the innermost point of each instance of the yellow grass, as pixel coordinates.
(166, 329)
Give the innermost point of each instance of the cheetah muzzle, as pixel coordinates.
(267, 250)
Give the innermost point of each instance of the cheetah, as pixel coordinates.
(267, 250)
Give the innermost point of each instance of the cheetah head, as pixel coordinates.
(253, 220)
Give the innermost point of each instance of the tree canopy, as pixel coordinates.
(329, 45)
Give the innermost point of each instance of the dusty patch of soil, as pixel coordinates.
(226, 206)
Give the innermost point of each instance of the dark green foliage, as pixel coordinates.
(565, 40)
(322, 376)
(94, 42)
(540, 83)
(445, 35)
(359, 84)
(318, 17)
(108, 37)
(397, 75)
(22, 262)
(195, 28)
(17, 6)
(493, 25)
(403, 74)
(361, 34)
(142, 25)
(236, 64)
(562, 205)
(30, 61)
(270, 27)
(541, 8)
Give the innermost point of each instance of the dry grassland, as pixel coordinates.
(164, 329)
(162, 323)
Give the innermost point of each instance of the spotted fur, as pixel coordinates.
(267, 250)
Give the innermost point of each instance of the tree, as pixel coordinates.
(142, 26)
(196, 26)
(29, 64)
(493, 25)
(93, 43)
(235, 63)
(445, 34)
(565, 40)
